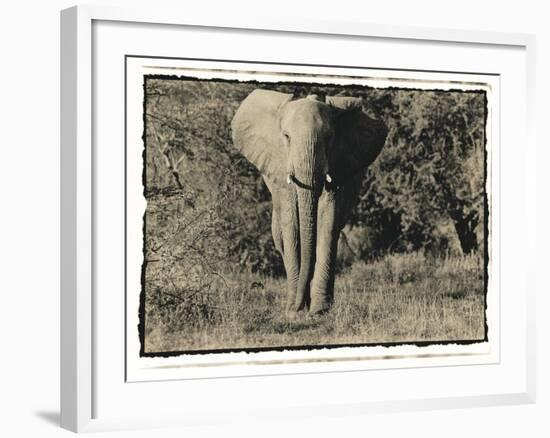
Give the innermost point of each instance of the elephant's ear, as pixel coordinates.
(358, 138)
(257, 133)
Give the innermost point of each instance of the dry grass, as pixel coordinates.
(401, 298)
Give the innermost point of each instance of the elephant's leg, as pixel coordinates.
(276, 215)
(276, 230)
(288, 220)
(322, 284)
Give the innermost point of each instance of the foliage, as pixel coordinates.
(431, 169)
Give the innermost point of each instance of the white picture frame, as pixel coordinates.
(84, 371)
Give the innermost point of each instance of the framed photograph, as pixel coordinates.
(291, 219)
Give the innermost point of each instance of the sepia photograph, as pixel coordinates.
(304, 212)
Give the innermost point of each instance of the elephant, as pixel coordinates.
(312, 155)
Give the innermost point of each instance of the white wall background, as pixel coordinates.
(29, 214)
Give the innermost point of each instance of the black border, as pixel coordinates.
(141, 324)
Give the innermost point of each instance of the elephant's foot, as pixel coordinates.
(318, 308)
(320, 303)
(297, 306)
(295, 311)
(291, 315)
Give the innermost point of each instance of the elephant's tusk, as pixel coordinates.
(328, 178)
(288, 179)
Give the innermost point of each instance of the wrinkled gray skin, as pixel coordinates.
(312, 156)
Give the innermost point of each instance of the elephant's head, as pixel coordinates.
(310, 153)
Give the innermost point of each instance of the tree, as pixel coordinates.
(431, 168)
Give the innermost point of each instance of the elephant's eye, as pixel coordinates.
(286, 140)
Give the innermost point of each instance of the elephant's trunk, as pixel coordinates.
(307, 210)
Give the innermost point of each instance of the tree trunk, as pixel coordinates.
(465, 229)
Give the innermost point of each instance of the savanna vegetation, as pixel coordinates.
(411, 260)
